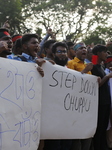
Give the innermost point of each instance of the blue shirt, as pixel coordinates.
(27, 57)
(10, 56)
(87, 61)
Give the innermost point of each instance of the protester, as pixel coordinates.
(47, 48)
(108, 64)
(17, 49)
(15, 37)
(99, 139)
(6, 43)
(89, 55)
(26, 49)
(71, 52)
(59, 50)
(78, 64)
(30, 47)
(51, 34)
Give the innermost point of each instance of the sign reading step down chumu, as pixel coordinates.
(69, 104)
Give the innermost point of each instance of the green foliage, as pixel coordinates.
(65, 17)
(93, 38)
(11, 10)
(100, 35)
(68, 16)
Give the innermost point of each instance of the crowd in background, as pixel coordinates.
(92, 59)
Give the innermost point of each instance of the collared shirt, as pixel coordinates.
(77, 64)
(28, 58)
(87, 61)
(107, 71)
(10, 56)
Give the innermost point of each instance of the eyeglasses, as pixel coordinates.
(60, 51)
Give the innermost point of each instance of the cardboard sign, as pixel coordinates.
(69, 103)
(20, 105)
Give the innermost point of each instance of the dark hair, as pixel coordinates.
(16, 35)
(99, 48)
(109, 52)
(26, 38)
(17, 45)
(48, 43)
(109, 59)
(55, 45)
(69, 44)
(4, 29)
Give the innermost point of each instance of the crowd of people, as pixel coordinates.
(95, 60)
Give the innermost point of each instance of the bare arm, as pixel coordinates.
(105, 78)
(87, 68)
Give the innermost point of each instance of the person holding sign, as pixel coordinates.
(99, 139)
(59, 51)
(30, 46)
(78, 64)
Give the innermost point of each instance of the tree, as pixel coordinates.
(12, 10)
(101, 35)
(71, 18)
(68, 18)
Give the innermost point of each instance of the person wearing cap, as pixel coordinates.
(99, 139)
(30, 46)
(17, 46)
(78, 64)
(15, 37)
(6, 43)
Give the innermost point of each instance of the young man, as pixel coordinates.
(78, 64)
(6, 43)
(30, 46)
(49, 34)
(59, 50)
(71, 52)
(47, 48)
(99, 139)
(89, 55)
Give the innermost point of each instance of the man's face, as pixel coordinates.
(89, 54)
(60, 57)
(81, 53)
(49, 50)
(9, 42)
(32, 47)
(102, 55)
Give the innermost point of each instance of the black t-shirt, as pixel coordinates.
(104, 91)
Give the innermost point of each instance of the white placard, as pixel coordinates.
(69, 103)
(20, 105)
